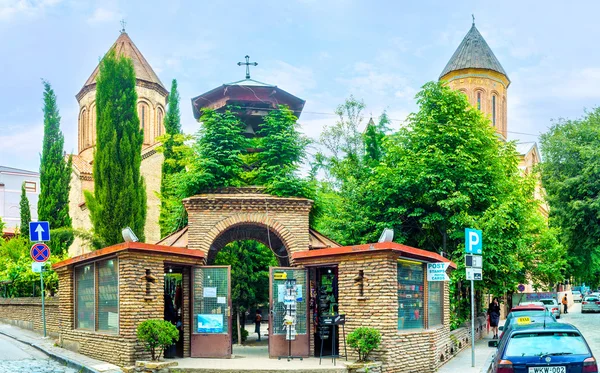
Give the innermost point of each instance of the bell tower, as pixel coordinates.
(474, 70)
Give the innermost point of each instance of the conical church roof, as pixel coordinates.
(473, 52)
(124, 46)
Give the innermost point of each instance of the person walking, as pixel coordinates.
(565, 303)
(257, 320)
(494, 315)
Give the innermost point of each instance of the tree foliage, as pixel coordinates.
(119, 198)
(25, 211)
(571, 177)
(156, 336)
(55, 172)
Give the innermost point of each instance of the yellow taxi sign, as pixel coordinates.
(524, 320)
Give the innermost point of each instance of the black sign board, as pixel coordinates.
(333, 320)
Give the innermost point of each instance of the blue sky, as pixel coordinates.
(319, 50)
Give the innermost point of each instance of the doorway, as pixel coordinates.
(324, 304)
(173, 307)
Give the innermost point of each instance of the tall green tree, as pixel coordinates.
(119, 198)
(172, 164)
(55, 174)
(571, 177)
(25, 212)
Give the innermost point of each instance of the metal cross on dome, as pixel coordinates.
(248, 64)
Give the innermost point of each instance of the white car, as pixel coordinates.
(576, 296)
(552, 306)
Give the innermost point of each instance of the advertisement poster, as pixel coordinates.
(210, 323)
(210, 292)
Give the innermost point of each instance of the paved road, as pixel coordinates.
(19, 357)
(588, 324)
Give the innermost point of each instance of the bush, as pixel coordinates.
(157, 335)
(364, 340)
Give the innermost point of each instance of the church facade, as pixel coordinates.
(152, 100)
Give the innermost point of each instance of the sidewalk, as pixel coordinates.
(72, 359)
(462, 361)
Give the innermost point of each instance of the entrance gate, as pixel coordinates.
(211, 312)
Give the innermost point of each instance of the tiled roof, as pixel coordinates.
(473, 52)
(82, 165)
(524, 147)
(124, 46)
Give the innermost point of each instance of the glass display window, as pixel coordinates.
(410, 295)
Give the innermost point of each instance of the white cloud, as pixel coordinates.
(10, 9)
(21, 145)
(295, 80)
(104, 15)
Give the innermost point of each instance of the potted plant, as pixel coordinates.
(156, 336)
(364, 340)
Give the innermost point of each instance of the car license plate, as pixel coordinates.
(561, 369)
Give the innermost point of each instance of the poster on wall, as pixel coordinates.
(209, 292)
(209, 323)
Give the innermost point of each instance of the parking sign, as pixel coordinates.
(473, 241)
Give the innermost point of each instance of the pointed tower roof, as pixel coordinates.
(124, 46)
(473, 52)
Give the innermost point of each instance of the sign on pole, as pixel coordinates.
(40, 252)
(474, 274)
(475, 261)
(473, 241)
(37, 267)
(437, 272)
(39, 231)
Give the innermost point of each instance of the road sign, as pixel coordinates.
(39, 231)
(473, 241)
(36, 267)
(40, 252)
(437, 272)
(475, 261)
(474, 274)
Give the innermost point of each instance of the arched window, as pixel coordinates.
(159, 125)
(478, 100)
(494, 110)
(145, 125)
(84, 129)
(93, 124)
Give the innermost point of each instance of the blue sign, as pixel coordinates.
(209, 323)
(473, 241)
(40, 252)
(39, 231)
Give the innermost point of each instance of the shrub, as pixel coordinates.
(157, 335)
(364, 340)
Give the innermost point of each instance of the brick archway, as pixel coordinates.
(230, 214)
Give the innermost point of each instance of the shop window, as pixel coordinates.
(97, 296)
(410, 295)
(435, 300)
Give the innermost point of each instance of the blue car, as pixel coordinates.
(543, 348)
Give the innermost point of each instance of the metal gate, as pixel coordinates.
(211, 312)
(288, 335)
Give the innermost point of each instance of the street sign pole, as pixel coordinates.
(43, 305)
(472, 323)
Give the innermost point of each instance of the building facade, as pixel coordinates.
(152, 100)
(11, 180)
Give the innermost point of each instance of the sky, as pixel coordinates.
(322, 51)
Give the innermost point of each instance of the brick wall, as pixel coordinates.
(401, 350)
(27, 313)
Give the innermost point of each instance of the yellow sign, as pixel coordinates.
(523, 320)
(280, 276)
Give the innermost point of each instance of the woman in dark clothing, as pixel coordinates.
(494, 314)
(257, 320)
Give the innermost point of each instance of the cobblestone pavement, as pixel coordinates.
(16, 357)
(588, 324)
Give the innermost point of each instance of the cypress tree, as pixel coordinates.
(119, 198)
(171, 164)
(25, 212)
(55, 171)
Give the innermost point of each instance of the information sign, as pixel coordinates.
(39, 231)
(36, 267)
(475, 261)
(437, 272)
(474, 274)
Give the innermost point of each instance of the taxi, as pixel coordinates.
(542, 348)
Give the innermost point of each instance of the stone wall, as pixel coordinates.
(401, 350)
(27, 313)
(136, 304)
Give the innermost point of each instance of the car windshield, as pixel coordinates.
(548, 302)
(576, 292)
(546, 343)
(591, 299)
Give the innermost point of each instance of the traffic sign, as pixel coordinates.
(474, 274)
(437, 272)
(475, 261)
(40, 252)
(37, 267)
(473, 241)
(39, 231)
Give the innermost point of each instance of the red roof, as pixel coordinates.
(403, 250)
(133, 246)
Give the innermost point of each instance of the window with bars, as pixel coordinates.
(410, 295)
(435, 303)
(97, 296)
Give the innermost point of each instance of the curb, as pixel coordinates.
(60, 358)
(487, 364)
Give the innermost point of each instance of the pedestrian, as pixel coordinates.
(494, 314)
(257, 320)
(565, 303)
